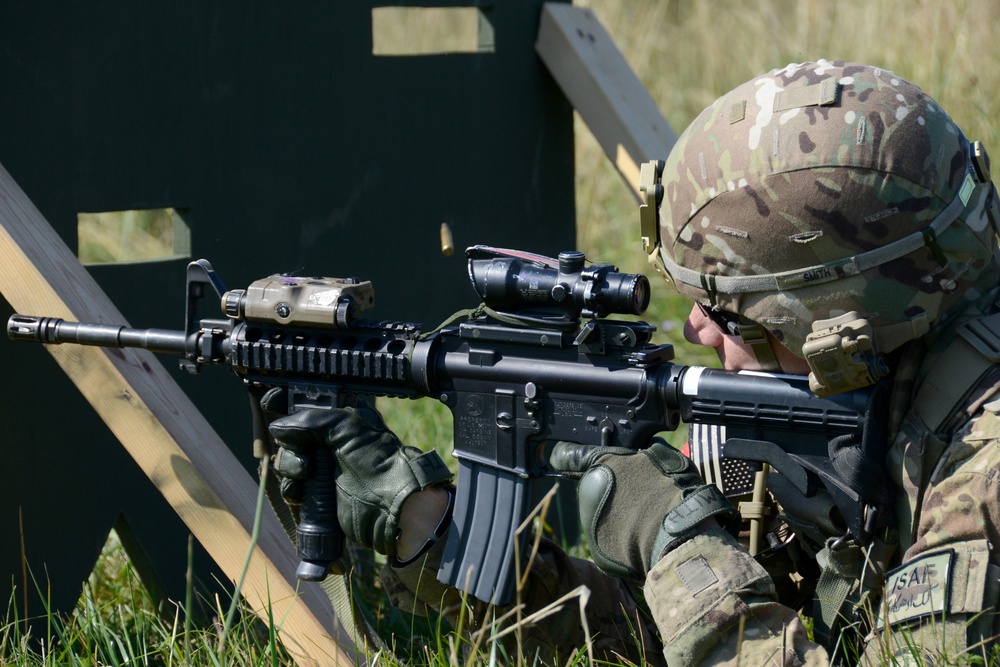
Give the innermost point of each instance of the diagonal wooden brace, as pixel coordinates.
(165, 433)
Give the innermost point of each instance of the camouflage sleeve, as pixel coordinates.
(941, 604)
(615, 628)
(715, 605)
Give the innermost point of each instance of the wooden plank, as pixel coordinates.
(598, 81)
(165, 433)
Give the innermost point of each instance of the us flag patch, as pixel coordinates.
(733, 476)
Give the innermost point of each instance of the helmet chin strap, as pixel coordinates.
(755, 336)
(751, 333)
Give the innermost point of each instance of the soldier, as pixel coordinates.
(822, 214)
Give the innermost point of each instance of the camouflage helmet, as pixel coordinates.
(824, 188)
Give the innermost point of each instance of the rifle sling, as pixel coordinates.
(959, 369)
(850, 579)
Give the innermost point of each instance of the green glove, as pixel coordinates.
(375, 473)
(635, 506)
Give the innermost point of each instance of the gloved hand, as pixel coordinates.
(635, 506)
(375, 473)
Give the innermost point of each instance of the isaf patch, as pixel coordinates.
(917, 589)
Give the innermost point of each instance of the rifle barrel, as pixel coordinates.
(54, 330)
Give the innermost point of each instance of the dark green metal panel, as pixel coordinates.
(289, 147)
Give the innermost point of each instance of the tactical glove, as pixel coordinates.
(375, 473)
(635, 506)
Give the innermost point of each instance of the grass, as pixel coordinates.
(116, 623)
(686, 53)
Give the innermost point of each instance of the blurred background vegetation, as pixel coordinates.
(148, 235)
(687, 53)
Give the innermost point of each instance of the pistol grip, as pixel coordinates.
(479, 556)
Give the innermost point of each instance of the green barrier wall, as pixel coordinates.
(287, 146)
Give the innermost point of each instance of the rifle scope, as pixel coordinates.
(515, 281)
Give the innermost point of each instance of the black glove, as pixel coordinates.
(375, 473)
(635, 506)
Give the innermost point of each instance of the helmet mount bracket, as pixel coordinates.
(842, 355)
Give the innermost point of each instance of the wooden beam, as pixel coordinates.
(598, 81)
(165, 433)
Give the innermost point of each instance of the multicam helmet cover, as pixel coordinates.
(824, 188)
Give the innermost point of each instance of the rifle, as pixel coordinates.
(539, 361)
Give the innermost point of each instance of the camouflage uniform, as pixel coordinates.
(802, 195)
(948, 500)
(806, 193)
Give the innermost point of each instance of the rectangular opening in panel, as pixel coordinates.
(421, 31)
(123, 237)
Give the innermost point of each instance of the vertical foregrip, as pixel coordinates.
(320, 540)
(479, 556)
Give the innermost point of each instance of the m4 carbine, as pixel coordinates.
(539, 361)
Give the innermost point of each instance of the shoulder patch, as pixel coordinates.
(917, 589)
(696, 574)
